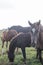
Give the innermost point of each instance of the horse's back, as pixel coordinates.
(7, 35)
(21, 40)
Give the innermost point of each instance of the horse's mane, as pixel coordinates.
(16, 35)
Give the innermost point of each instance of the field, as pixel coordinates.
(30, 56)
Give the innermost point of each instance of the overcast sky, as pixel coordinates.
(18, 12)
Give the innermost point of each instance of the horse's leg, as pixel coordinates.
(40, 58)
(2, 44)
(17, 50)
(2, 47)
(24, 54)
(37, 55)
(6, 44)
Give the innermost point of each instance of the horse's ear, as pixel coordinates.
(30, 23)
(39, 22)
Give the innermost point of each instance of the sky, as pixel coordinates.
(19, 12)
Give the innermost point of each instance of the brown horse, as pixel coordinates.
(7, 36)
(37, 38)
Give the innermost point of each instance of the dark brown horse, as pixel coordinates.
(22, 40)
(37, 38)
(7, 36)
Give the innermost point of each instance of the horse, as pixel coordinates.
(37, 38)
(7, 36)
(20, 29)
(22, 41)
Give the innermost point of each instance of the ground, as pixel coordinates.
(30, 56)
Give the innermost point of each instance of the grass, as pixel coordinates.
(30, 57)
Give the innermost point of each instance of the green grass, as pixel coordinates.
(30, 57)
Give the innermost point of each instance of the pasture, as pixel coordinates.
(30, 56)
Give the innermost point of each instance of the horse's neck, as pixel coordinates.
(41, 28)
(41, 33)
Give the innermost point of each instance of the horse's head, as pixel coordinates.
(10, 56)
(35, 30)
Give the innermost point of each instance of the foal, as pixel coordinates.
(7, 36)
